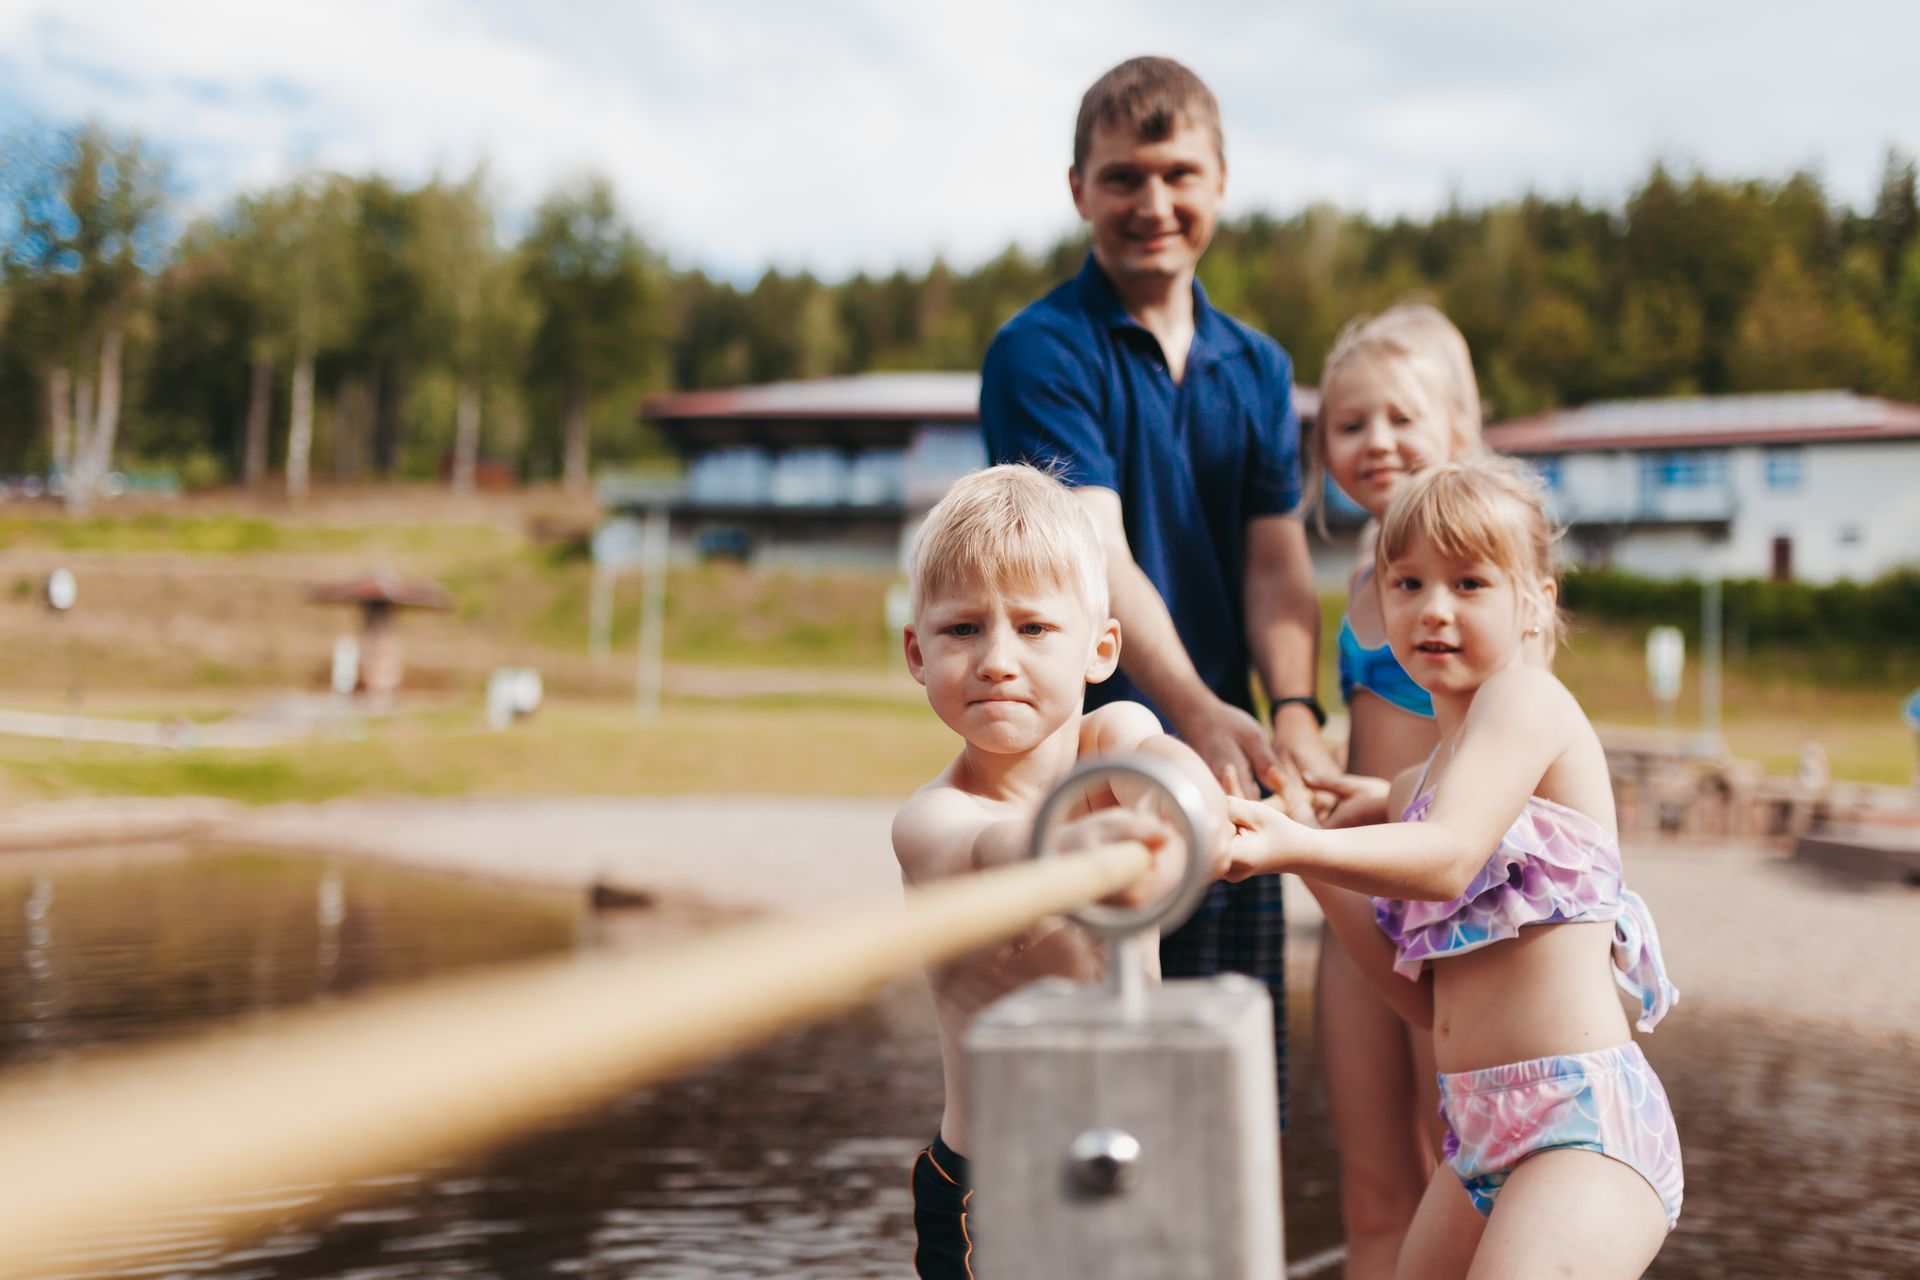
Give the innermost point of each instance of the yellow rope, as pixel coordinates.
(354, 1090)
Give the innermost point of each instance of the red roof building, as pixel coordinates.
(828, 469)
(1812, 484)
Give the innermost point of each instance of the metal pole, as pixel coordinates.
(1710, 664)
(1130, 1147)
(600, 613)
(1130, 1133)
(653, 612)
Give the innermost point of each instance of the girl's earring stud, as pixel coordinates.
(1531, 632)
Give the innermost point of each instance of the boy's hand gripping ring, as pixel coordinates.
(1189, 807)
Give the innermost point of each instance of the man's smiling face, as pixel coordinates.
(1151, 206)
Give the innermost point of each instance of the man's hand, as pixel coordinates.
(1298, 745)
(1234, 746)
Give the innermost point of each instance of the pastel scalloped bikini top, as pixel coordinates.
(1555, 865)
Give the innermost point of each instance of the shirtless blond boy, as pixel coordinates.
(1010, 624)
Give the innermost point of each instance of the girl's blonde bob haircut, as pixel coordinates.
(1491, 508)
(1427, 356)
(1009, 528)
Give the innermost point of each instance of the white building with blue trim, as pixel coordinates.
(1815, 485)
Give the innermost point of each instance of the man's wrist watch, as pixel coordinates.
(1306, 700)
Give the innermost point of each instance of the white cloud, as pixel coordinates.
(864, 134)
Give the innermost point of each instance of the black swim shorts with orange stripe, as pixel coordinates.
(941, 1190)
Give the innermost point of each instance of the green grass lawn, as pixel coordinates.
(202, 612)
(777, 744)
(785, 745)
(230, 535)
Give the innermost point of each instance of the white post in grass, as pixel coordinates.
(1710, 613)
(653, 611)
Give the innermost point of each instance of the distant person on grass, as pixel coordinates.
(1008, 590)
(1175, 425)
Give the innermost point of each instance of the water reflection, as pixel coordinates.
(1803, 1152)
(99, 950)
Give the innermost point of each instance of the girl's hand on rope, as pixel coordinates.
(1291, 796)
(1123, 824)
(1262, 836)
(1349, 799)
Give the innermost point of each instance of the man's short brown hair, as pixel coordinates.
(1150, 96)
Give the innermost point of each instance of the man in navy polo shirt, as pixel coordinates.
(1174, 423)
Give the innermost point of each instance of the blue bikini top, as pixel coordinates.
(1378, 672)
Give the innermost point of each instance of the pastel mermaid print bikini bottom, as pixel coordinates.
(1608, 1101)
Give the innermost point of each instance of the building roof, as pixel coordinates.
(905, 397)
(920, 397)
(1782, 417)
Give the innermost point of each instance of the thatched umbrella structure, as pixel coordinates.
(380, 596)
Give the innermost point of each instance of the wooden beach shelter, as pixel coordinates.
(381, 595)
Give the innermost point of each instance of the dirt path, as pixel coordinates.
(732, 852)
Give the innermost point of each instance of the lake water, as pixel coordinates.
(1803, 1153)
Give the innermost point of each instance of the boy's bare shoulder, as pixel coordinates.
(935, 830)
(1117, 728)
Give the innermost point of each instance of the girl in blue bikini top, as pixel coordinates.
(1397, 396)
(1378, 672)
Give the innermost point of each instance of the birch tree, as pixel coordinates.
(477, 316)
(85, 225)
(298, 243)
(593, 288)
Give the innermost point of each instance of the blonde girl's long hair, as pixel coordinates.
(1430, 353)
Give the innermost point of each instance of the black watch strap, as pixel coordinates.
(1307, 700)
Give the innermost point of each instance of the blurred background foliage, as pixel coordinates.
(348, 328)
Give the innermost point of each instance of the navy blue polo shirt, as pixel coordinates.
(1076, 382)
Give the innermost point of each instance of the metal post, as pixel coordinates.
(600, 613)
(1710, 611)
(1130, 1132)
(653, 612)
(61, 592)
(1130, 1148)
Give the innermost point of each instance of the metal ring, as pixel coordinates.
(1117, 922)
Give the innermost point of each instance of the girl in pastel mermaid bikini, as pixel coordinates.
(1560, 1149)
(1397, 395)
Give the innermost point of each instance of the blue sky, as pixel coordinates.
(864, 134)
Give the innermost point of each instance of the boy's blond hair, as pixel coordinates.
(1430, 354)
(1010, 526)
(1488, 507)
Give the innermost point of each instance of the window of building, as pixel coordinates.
(1849, 535)
(1786, 469)
(1549, 472)
(1684, 468)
